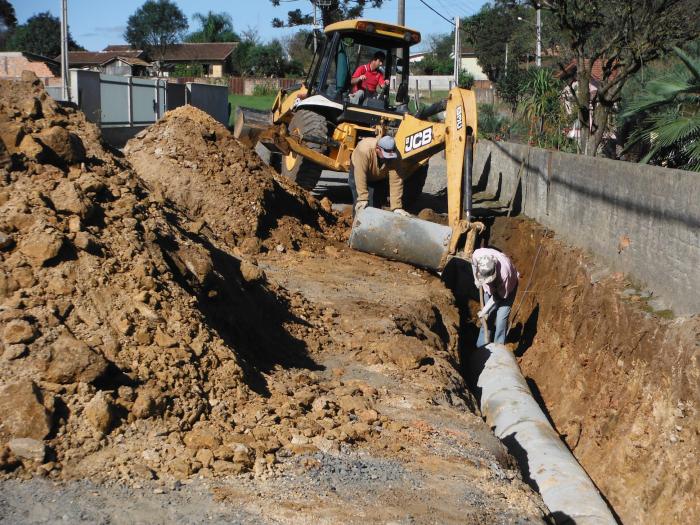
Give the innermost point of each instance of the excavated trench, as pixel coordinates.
(617, 380)
(178, 319)
(178, 259)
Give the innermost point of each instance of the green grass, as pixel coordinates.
(249, 101)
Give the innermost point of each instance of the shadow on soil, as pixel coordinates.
(249, 317)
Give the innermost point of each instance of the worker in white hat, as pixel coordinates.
(496, 274)
(372, 162)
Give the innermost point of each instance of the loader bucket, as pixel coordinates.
(406, 239)
(250, 123)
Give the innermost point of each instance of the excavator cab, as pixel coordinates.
(353, 45)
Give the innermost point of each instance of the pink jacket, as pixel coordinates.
(507, 276)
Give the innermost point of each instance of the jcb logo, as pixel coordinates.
(460, 119)
(418, 140)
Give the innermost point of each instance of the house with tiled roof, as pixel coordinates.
(126, 65)
(569, 75)
(214, 59)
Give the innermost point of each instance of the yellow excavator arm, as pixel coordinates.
(418, 138)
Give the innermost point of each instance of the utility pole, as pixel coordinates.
(458, 52)
(401, 20)
(65, 73)
(505, 71)
(539, 36)
(315, 26)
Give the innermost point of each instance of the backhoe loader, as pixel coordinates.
(315, 126)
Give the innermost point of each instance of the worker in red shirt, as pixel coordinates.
(367, 78)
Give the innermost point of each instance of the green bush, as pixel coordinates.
(264, 90)
(492, 125)
(188, 70)
(510, 87)
(466, 79)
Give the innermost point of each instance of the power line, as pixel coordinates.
(451, 22)
(445, 8)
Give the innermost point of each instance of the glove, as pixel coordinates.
(486, 310)
(360, 205)
(402, 212)
(489, 306)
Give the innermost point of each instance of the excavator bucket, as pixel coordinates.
(250, 124)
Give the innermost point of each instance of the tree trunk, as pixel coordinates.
(600, 126)
(583, 102)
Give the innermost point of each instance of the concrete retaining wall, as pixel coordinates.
(641, 220)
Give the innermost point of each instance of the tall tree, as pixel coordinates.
(8, 21)
(299, 53)
(619, 36)
(40, 35)
(215, 27)
(507, 23)
(333, 11)
(440, 58)
(155, 26)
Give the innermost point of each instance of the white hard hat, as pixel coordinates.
(484, 269)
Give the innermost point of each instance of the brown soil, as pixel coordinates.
(194, 162)
(184, 312)
(620, 383)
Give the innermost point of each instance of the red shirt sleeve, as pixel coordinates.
(359, 71)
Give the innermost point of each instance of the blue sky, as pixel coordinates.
(96, 23)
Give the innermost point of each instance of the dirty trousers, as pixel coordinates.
(377, 189)
(500, 313)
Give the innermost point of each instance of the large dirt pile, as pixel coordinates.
(194, 162)
(111, 340)
(137, 340)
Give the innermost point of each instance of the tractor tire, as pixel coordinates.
(413, 187)
(295, 167)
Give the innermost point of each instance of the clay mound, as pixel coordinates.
(110, 301)
(194, 162)
(132, 345)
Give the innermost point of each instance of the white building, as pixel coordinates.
(469, 62)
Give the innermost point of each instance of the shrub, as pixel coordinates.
(492, 125)
(264, 90)
(466, 79)
(188, 70)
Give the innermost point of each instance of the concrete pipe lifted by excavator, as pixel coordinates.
(316, 126)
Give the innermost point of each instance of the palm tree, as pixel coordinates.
(216, 27)
(668, 110)
(541, 100)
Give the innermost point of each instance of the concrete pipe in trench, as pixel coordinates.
(518, 421)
